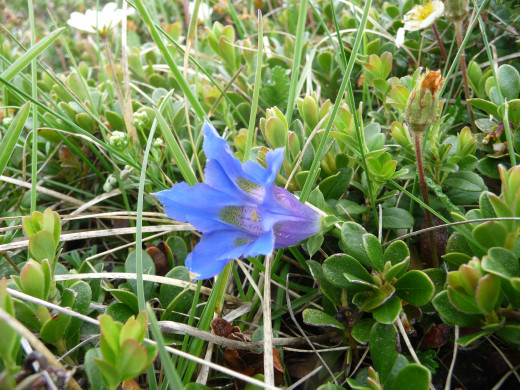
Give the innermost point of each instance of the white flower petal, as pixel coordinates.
(416, 19)
(399, 38)
(101, 21)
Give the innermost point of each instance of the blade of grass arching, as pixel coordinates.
(175, 150)
(185, 87)
(140, 202)
(298, 48)
(8, 143)
(352, 106)
(34, 93)
(174, 381)
(256, 90)
(462, 47)
(313, 172)
(26, 58)
(196, 345)
(423, 205)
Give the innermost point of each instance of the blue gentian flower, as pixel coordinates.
(238, 210)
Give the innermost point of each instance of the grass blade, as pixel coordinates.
(8, 143)
(24, 60)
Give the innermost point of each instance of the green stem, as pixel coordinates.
(313, 172)
(509, 138)
(298, 48)
(34, 93)
(256, 91)
(458, 32)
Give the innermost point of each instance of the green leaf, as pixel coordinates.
(361, 330)
(126, 297)
(148, 268)
(463, 302)
(377, 298)
(335, 268)
(510, 332)
(8, 142)
(352, 236)
(93, 373)
(387, 313)
(373, 249)
(486, 106)
(383, 349)
(319, 318)
(328, 289)
(167, 292)
(415, 287)
(396, 252)
(456, 259)
(53, 330)
(450, 315)
(132, 360)
(110, 333)
(466, 181)
(470, 338)
(508, 81)
(396, 218)
(334, 186)
(348, 207)
(490, 234)
(32, 279)
(501, 262)
(25, 59)
(396, 271)
(43, 246)
(83, 297)
(313, 244)
(487, 293)
(119, 311)
(412, 377)
(109, 373)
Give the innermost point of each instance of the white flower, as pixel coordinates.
(204, 14)
(101, 21)
(419, 17)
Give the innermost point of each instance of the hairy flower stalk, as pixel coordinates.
(421, 111)
(238, 209)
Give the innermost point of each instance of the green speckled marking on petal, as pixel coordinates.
(244, 217)
(241, 241)
(252, 189)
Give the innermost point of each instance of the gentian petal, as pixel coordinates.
(199, 205)
(249, 177)
(216, 249)
(289, 233)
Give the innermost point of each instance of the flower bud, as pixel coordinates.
(118, 140)
(423, 103)
(456, 9)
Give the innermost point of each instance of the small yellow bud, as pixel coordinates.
(423, 103)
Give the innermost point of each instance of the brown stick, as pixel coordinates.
(439, 41)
